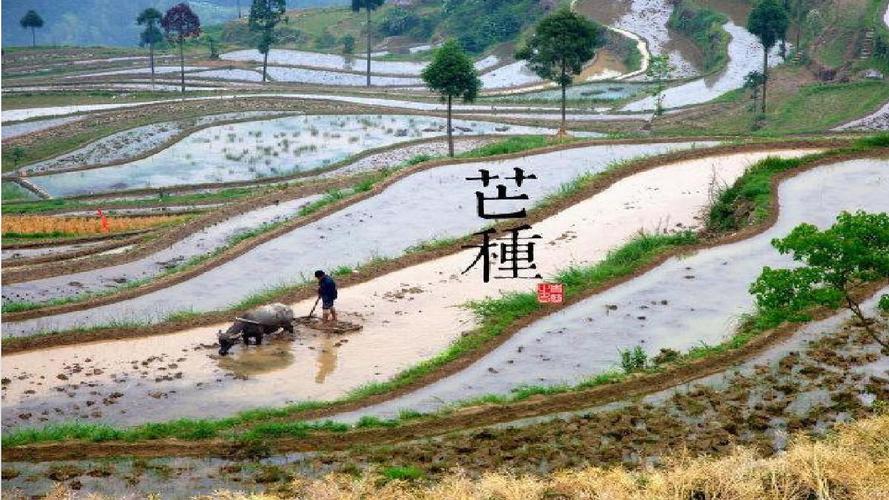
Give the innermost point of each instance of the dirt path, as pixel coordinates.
(390, 307)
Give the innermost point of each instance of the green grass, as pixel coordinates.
(704, 27)
(508, 146)
(748, 200)
(818, 107)
(13, 192)
(407, 473)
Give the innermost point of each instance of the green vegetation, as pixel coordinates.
(855, 250)
(181, 24)
(819, 106)
(559, 47)
(749, 199)
(368, 6)
(768, 21)
(507, 146)
(659, 69)
(704, 26)
(152, 35)
(264, 16)
(13, 192)
(451, 74)
(31, 21)
(408, 473)
(633, 360)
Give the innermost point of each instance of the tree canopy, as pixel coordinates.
(150, 18)
(264, 16)
(180, 22)
(31, 20)
(561, 44)
(452, 73)
(853, 251)
(357, 5)
(768, 21)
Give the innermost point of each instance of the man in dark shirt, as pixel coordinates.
(327, 293)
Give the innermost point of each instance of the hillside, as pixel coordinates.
(109, 22)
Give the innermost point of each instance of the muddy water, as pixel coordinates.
(199, 243)
(10, 131)
(745, 55)
(432, 204)
(25, 114)
(133, 142)
(20, 253)
(320, 366)
(682, 303)
(268, 148)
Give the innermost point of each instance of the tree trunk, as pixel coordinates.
(33, 38)
(151, 58)
(450, 130)
(368, 46)
(239, 9)
(765, 76)
(182, 63)
(563, 130)
(265, 63)
(856, 310)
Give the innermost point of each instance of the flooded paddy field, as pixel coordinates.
(286, 57)
(269, 148)
(133, 142)
(744, 56)
(22, 253)
(672, 306)
(597, 91)
(18, 129)
(384, 225)
(827, 373)
(200, 243)
(319, 366)
(327, 77)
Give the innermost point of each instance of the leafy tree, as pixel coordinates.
(853, 251)
(367, 5)
(213, 45)
(264, 16)
(181, 23)
(150, 18)
(768, 21)
(32, 21)
(452, 74)
(753, 81)
(559, 47)
(17, 154)
(348, 44)
(659, 70)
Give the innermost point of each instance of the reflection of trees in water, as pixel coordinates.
(326, 359)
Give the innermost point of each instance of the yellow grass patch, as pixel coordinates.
(852, 464)
(39, 224)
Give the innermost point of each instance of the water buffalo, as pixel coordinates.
(258, 322)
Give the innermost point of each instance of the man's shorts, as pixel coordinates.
(326, 303)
